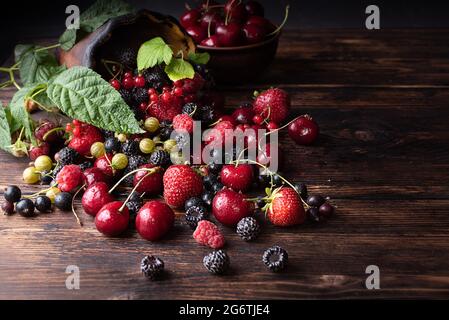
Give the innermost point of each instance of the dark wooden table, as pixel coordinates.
(382, 101)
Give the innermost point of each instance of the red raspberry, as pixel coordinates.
(181, 182)
(87, 136)
(183, 122)
(42, 150)
(208, 234)
(165, 111)
(69, 178)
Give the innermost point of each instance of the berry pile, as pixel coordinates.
(234, 23)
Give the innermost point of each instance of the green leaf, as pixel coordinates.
(153, 52)
(179, 69)
(21, 49)
(199, 58)
(38, 66)
(82, 94)
(5, 134)
(39, 95)
(14, 125)
(93, 18)
(20, 114)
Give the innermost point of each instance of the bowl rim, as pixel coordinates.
(245, 47)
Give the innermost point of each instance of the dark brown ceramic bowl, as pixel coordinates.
(125, 31)
(241, 64)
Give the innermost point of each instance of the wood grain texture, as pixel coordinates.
(381, 99)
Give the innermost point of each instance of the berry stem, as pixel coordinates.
(78, 220)
(152, 170)
(287, 8)
(134, 190)
(49, 132)
(35, 195)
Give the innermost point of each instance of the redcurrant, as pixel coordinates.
(128, 83)
(139, 81)
(115, 84)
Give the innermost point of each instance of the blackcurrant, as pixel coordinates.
(313, 215)
(25, 207)
(112, 145)
(43, 204)
(217, 186)
(209, 181)
(215, 167)
(326, 210)
(7, 207)
(12, 194)
(315, 201)
(63, 201)
(207, 198)
(301, 188)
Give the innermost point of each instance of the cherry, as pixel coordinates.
(154, 98)
(93, 175)
(190, 18)
(112, 219)
(212, 41)
(152, 91)
(303, 130)
(212, 19)
(178, 83)
(238, 177)
(104, 164)
(151, 184)
(254, 8)
(235, 11)
(254, 33)
(272, 126)
(197, 33)
(115, 84)
(229, 207)
(139, 81)
(95, 197)
(261, 22)
(128, 83)
(229, 35)
(243, 114)
(154, 220)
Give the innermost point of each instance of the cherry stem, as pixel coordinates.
(152, 170)
(49, 132)
(34, 195)
(73, 206)
(285, 125)
(287, 8)
(134, 190)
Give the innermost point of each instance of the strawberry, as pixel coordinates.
(229, 207)
(183, 122)
(165, 111)
(181, 182)
(42, 150)
(285, 208)
(218, 134)
(238, 177)
(85, 138)
(273, 103)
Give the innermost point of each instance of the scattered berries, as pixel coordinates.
(195, 214)
(275, 258)
(25, 207)
(217, 262)
(152, 267)
(239, 178)
(112, 219)
(273, 104)
(229, 207)
(208, 234)
(43, 204)
(286, 208)
(63, 201)
(248, 228)
(148, 183)
(303, 130)
(12, 194)
(95, 197)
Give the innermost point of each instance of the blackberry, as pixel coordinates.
(156, 77)
(25, 207)
(127, 57)
(165, 124)
(275, 258)
(112, 145)
(43, 204)
(248, 228)
(135, 161)
(12, 194)
(138, 114)
(152, 267)
(136, 197)
(191, 109)
(205, 74)
(207, 113)
(194, 201)
(195, 214)
(63, 201)
(183, 140)
(165, 133)
(217, 262)
(67, 156)
(133, 208)
(130, 148)
(85, 165)
(160, 158)
(140, 95)
(127, 96)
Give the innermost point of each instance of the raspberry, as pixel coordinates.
(152, 267)
(183, 122)
(248, 228)
(87, 137)
(42, 150)
(69, 178)
(195, 214)
(165, 110)
(208, 234)
(67, 156)
(216, 262)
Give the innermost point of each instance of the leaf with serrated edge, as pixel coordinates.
(82, 94)
(179, 69)
(153, 52)
(38, 66)
(199, 58)
(5, 134)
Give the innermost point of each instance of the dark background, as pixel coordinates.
(23, 21)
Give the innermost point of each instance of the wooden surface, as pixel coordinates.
(381, 100)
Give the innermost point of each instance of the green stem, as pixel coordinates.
(49, 132)
(287, 8)
(53, 46)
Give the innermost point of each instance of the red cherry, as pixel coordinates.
(128, 83)
(254, 8)
(115, 84)
(272, 126)
(254, 33)
(190, 18)
(229, 207)
(151, 184)
(93, 175)
(212, 18)
(104, 164)
(261, 22)
(189, 98)
(235, 10)
(238, 178)
(304, 130)
(258, 119)
(212, 41)
(110, 221)
(95, 197)
(197, 33)
(154, 98)
(154, 220)
(228, 118)
(229, 35)
(143, 106)
(139, 81)
(243, 114)
(178, 92)
(127, 75)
